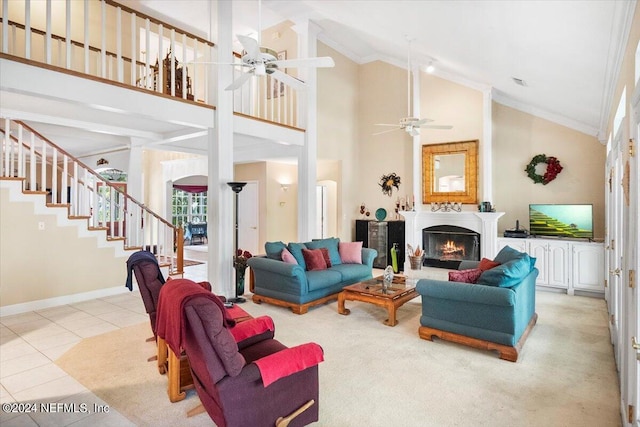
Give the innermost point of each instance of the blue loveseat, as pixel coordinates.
(496, 313)
(292, 285)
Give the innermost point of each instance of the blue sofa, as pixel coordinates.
(497, 313)
(291, 285)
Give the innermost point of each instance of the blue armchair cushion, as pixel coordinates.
(323, 279)
(507, 254)
(507, 274)
(274, 250)
(296, 251)
(331, 244)
(352, 273)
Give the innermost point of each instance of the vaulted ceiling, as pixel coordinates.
(567, 53)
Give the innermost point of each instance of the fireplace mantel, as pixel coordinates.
(485, 223)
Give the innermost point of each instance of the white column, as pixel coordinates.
(485, 148)
(220, 201)
(417, 146)
(135, 171)
(307, 160)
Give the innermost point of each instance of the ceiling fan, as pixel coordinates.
(410, 124)
(262, 61)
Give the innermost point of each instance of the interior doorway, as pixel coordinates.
(248, 218)
(326, 209)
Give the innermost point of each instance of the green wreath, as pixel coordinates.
(553, 169)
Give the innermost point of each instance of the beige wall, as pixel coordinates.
(154, 187)
(382, 93)
(517, 137)
(383, 99)
(35, 266)
(449, 103)
(339, 142)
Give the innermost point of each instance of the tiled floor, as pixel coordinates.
(31, 342)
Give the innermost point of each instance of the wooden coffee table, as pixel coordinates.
(371, 291)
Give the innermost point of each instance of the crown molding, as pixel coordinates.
(621, 27)
(503, 99)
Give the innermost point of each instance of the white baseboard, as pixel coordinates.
(10, 310)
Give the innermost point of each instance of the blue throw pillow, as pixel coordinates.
(274, 249)
(296, 251)
(331, 244)
(508, 274)
(507, 254)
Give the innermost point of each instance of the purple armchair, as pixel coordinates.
(145, 267)
(254, 382)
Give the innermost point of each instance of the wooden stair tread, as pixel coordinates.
(79, 217)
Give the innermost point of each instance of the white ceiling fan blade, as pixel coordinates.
(239, 81)
(437, 127)
(236, 64)
(288, 80)
(386, 124)
(249, 45)
(387, 131)
(319, 62)
(422, 121)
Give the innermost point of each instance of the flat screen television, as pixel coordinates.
(561, 220)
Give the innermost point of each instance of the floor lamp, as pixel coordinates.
(237, 188)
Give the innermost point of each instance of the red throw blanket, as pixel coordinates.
(253, 327)
(289, 361)
(173, 296)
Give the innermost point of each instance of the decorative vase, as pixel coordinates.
(387, 278)
(240, 281)
(394, 257)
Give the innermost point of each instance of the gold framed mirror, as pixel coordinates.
(450, 172)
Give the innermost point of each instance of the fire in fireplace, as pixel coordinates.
(446, 245)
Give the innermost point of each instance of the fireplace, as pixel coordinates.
(446, 245)
(483, 223)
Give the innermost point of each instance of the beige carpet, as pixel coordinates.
(374, 375)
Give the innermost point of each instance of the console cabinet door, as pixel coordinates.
(558, 265)
(588, 266)
(539, 250)
(552, 260)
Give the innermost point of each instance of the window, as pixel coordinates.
(188, 207)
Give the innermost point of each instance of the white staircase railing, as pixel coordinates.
(47, 169)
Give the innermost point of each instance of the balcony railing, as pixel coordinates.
(110, 41)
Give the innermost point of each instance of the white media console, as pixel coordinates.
(573, 266)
